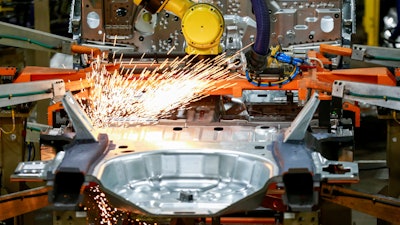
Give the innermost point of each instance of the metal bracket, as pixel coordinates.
(81, 122)
(18, 93)
(22, 37)
(298, 127)
(374, 94)
(377, 55)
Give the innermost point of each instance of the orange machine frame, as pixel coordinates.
(315, 78)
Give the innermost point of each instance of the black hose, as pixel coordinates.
(257, 55)
(261, 12)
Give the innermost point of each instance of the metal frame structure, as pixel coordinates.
(187, 170)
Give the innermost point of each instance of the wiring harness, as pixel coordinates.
(279, 57)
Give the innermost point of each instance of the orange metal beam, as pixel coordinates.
(86, 50)
(34, 73)
(311, 79)
(8, 71)
(373, 75)
(322, 81)
(335, 50)
(22, 202)
(354, 108)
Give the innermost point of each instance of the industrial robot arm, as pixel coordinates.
(202, 24)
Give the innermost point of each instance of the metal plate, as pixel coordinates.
(188, 182)
(191, 170)
(301, 22)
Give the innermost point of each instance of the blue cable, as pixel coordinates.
(282, 57)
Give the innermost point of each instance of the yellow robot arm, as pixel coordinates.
(202, 24)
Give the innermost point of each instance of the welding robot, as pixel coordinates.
(240, 167)
(203, 26)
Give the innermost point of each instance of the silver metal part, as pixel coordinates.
(379, 95)
(302, 23)
(120, 48)
(348, 20)
(22, 37)
(197, 170)
(81, 122)
(321, 164)
(188, 182)
(18, 93)
(299, 126)
(266, 96)
(236, 27)
(376, 55)
(189, 170)
(37, 170)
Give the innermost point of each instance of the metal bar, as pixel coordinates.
(22, 37)
(379, 206)
(379, 95)
(377, 55)
(22, 202)
(17, 93)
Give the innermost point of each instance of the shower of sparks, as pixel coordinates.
(154, 93)
(101, 212)
(106, 213)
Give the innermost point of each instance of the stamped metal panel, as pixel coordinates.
(188, 182)
(191, 171)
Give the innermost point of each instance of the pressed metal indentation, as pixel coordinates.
(205, 181)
